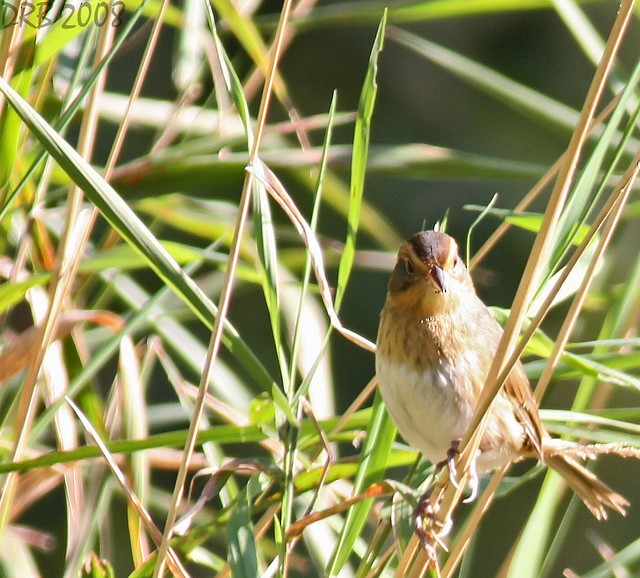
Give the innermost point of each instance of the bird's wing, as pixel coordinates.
(517, 387)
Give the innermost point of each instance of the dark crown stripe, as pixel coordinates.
(431, 246)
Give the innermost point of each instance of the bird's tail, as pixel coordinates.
(595, 494)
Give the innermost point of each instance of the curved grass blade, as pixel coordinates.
(373, 462)
(131, 228)
(359, 161)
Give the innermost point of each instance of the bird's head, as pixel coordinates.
(430, 276)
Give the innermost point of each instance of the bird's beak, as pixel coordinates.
(437, 274)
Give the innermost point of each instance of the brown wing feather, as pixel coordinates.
(517, 387)
(526, 408)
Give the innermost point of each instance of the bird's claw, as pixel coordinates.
(472, 475)
(472, 482)
(452, 454)
(450, 463)
(429, 529)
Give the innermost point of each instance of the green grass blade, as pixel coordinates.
(241, 542)
(512, 93)
(128, 224)
(359, 161)
(306, 276)
(373, 463)
(71, 110)
(222, 434)
(263, 223)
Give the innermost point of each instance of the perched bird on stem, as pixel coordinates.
(436, 342)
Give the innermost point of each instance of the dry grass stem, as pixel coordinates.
(268, 178)
(621, 196)
(586, 451)
(72, 243)
(109, 278)
(534, 193)
(464, 537)
(448, 493)
(357, 403)
(225, 296)
(545, 306)
(172, 560)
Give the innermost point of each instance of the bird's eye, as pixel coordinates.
(408, 267)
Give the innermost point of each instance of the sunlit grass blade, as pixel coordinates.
(584, 32)
(188, 69)
(373, 462)
(167, 171)
(144, 311)
(126, 222)
(136, 427)
(132, 498)
(263, 224)
(306, 276)
(222, 434)
(586, 194)
(531, 549)
(359, 161)
(72, 107)
(245, 31)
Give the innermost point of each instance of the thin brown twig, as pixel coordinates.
(448, 493)
(225, 297)
(531, 196)
(535, 191)
(357, 403)
(73, 240)
(462, 541)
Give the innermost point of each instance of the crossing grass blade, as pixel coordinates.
(361, 139)
(130, 227)
(373, 461)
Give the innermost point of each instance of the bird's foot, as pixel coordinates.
(429, 529)
(450, 463)
(472, 482)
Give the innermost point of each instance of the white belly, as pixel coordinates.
(425, 408)
(430, 415)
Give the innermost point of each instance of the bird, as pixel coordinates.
(436, 342)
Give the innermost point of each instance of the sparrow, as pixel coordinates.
(436, 341)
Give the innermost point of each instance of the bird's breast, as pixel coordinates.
(427, 408)
(430, 383)
(426, 392)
